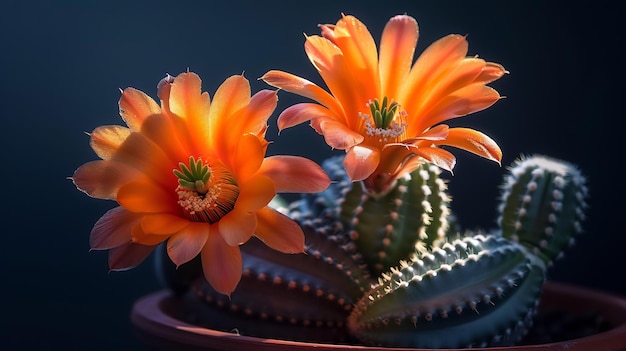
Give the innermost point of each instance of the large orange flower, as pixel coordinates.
(385, 110)
(193, 172)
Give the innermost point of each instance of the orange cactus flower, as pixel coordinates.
(385, 110)
(193, 172)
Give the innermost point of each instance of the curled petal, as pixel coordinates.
(279, 232)
(237, 226)
(337, 135)
(473, 141)
(294, 174)
(437, 156)
(105, 140)
(102, 179)
(221, 264)
(113, 229)
(183, 246)
(128, 256)
(135, 107)
(300, 113)
(361, 161)
(492, 71)
(302, 87)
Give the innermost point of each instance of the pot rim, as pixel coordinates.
(160, 329)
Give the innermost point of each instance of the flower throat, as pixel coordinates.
(206, 192)
(385, 124)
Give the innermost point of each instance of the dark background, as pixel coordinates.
(62, 64)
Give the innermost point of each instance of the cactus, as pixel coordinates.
(391, 270)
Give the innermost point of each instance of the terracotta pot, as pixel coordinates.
(154, 318)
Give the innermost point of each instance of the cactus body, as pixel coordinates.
(388, 269)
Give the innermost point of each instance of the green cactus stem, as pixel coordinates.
(476, 291)
(543, 205)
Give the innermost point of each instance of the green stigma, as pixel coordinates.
(193, 177)
(383, 114)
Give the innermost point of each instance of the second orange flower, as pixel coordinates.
(385, 110)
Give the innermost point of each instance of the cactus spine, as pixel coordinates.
(389, 270)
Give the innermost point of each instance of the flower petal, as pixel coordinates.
(428, 68)
(397, 47)
(163, 223)
(105, 140)
(302, 87)
(294, 174)
(135, 107)
(113, 229)
(255, 193)
(361, 161)
(102, 179)
(472, 98)
(437, 156)
(144, 196)
(185, 245)
(128, 256)
(231, 96)
(237, 226)
(337, 135)
(246, 156)
(473, 141)
(222, 264)
(144, 238)
(253, 117)
(279, 232)
(300, 113)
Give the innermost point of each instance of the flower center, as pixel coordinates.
(386, 124)
(206, 191)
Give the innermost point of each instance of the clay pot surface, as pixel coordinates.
(154, 318)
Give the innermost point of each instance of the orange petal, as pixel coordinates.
(472, 98)
(221, 264)
(361, 161)
(336, 71)
(397, 47)
(246, 157)
(141, 237)
(136, 106)
(437, 58)
(294, 174)
(255, 193)
(187, 101)
(128, 256)
(279, 232)
(105, 140)
(185, 245)
(237, 226)
(473, 141)
(232, 95)
(113, 229)
(163, 223)
(437, 156)
(359, 50)
(144, 196)
(302, 87)
(171, 136)
(102, 179)
(146, 156)
(253, 118)
(337, 135)
(300, 113)
(491, 72)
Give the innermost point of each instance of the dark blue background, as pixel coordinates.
(62, 64)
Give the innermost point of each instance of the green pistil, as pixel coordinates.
(383, 114)
(195, 177)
